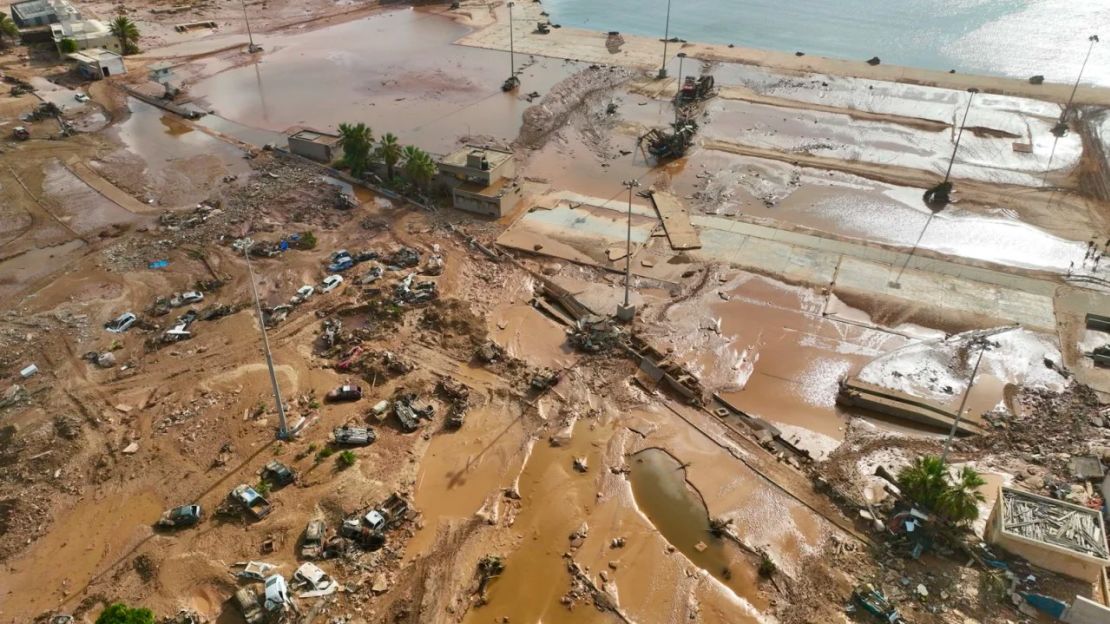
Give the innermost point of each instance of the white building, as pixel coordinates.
(97, 63)
(86, 34)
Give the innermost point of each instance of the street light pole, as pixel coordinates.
(666, 40)
(626, 312)
(960, 133)
(250, 36)
(678, 90)
(983, 343)
(283, 429)
(1062, 126)
(512, 61)
(941, 191)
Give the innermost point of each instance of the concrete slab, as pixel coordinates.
(676, 221)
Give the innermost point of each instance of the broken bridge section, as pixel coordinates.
(676, 221)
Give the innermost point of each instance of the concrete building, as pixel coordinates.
(315, 145)
(481, 180)
(1050, 534)
(86, 34)
(97, 63)
(35, 13)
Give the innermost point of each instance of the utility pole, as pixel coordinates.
(627, 312)
(251, 48)
(678, 90)
(512, 60)
(666, 40)
(1062, 126)
(283, 429)
(983, 343)
(942, 195)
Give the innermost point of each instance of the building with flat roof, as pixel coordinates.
(481, 180)
(86, 34)
(1054, 535)
(313, 144)
(97, 63)
(33, 13)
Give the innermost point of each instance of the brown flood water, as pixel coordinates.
(398, 71)
(555, 499)
(679, 513)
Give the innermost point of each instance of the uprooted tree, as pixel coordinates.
(929, 482)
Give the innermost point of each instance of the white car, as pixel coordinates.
(303, 293)
(191, 296)
(315, 581)
(277, 593)
(331, 282)
(122, 323)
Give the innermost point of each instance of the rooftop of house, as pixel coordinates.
(80, 29)
(31, 9)
(465, 157)
(493, 190)
(316, 136)
(94, 55)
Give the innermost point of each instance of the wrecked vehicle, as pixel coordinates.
(214, 312)
(314, 581)
(247, 602)
(186, 298)
(251, 501)
(278, 473)
(389, 514)
(372, 275)
(254, 570)
(354, 436)
(408, 415)
(544, 379)
(180, 517)
(349, 358)
(341, 265)
(302, 294)
(403, 258)
(330, 334)
(273, 316)
(489, 352)
(409, 291)
(315, 534)
(121, 323)
(330, 283)
(277, 594)
(344, 394)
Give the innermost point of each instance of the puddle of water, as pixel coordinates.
(461, 470)
(17, 272)
(527, 334)
(160, 139)
(84, 209)
(397, 71)
(555, 499)
(678, 512)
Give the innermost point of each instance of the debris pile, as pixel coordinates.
(593, 334)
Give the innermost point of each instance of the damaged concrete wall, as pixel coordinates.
(1084, 611)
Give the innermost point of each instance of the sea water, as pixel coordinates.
(1018, 38)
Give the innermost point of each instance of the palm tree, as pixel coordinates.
(928, 482)
(960, 502)
(389, 151)
(419, 167)
(924, 481)
(7, 29)
(127, 32)
(356, 141)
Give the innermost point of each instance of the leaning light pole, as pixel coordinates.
(983, 343)
(283, 428)
(512, 81)
(678, 90)
(250, 36)
(1061, 127)
(666, 40)
(937, 198)
(626, 312)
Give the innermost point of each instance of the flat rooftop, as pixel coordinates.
(315, 136)
(495, 157)
(1052, 522)
(94, 55)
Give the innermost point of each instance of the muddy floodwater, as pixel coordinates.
(679, 513)
(396, 71)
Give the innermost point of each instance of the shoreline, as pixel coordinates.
(647, 53)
